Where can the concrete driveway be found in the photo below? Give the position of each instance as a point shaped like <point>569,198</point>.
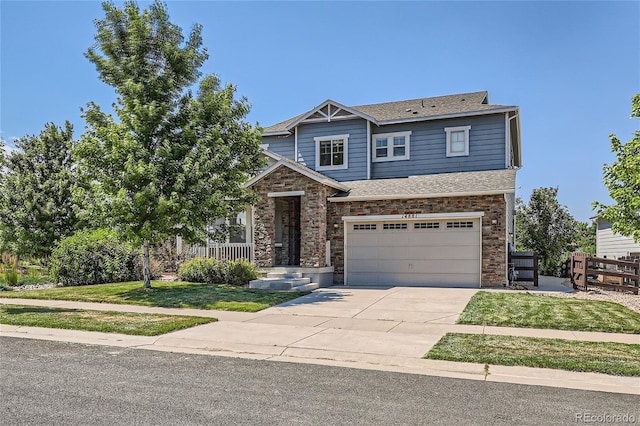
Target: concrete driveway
<point>338,323</point>
<point>395,304</point>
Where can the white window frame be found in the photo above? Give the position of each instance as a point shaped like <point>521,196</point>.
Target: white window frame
<point>449,131</point>
<point>345,157</point>
<point>390,156</point>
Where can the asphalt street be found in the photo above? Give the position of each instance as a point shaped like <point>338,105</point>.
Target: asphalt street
<point>56,383</point>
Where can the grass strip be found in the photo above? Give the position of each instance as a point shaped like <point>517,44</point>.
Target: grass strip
<point>619,359</point>
<point>164,294</point>
<point>526,310</point>
<point>103,321</point>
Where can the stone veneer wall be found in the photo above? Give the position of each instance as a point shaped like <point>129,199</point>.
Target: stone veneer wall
<point>494,252</point>
<point>313,214</point>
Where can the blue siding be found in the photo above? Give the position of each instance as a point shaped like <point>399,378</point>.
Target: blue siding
<point>357,146</point>
<point>280,145</point>
<point>428,147</point>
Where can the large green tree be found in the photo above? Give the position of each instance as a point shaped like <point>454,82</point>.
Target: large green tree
<point>585,238</point>
<point>36,197</point>
<point>171,161</point>
<point>622,179</point>
<point>546,227</point>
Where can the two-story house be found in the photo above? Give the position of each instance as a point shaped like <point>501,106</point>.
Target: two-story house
<point>417,192</point>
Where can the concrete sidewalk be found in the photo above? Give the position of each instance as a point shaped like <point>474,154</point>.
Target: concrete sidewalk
<point>383,329</point>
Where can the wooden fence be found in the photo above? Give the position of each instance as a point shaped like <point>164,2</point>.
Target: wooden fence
<point>525,265</point>
<point>619,275</point>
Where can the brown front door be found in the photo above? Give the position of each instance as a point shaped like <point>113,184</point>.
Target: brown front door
<point>287,248</point>
<point>294,232</point>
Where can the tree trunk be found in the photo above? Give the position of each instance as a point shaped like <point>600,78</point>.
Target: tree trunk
<point>146,262</point>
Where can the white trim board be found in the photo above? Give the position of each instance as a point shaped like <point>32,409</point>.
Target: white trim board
<point>417,196</point>
<point>285,194</point>
<point>412,216</point>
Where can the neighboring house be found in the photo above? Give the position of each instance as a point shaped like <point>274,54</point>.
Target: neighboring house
<point>416,192</point>
<point>612,245</point>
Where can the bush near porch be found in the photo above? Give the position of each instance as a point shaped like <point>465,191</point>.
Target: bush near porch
<point>236,273</point>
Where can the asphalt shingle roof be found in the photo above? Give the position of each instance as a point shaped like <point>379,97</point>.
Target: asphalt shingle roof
<point>435,185</point>
<point>414,109</point>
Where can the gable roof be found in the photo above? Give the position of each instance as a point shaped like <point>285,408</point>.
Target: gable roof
<point>302,169</point>
<point>421,109</point>
<point>328,104</point>
<point>431,186</point>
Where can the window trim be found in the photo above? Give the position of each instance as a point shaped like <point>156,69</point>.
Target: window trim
<point>449,131</point>
<point>345,155</point>
<point>390,136</point>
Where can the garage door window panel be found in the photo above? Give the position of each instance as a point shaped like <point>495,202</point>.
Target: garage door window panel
<point>394,226</point>
<point>426,225</point>
<point>458,225</point>
<point>364,227</point>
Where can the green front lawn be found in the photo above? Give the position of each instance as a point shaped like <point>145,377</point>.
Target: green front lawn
<point>601,357</point>
<point>536,311</point>
<point>103,321</point>
<point>164,294</point>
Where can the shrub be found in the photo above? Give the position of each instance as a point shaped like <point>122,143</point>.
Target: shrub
<point>210,271</point>
<point>94,257</point>
<point>240,272</point>
<point>201,270</point>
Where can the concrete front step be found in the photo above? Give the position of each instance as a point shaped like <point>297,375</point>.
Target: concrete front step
<point>287,284</point>
<point>284,274</point>
<point>306,287</point>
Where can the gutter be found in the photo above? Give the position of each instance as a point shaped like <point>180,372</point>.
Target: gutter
<point>414,196</point>
<point>444,116</point>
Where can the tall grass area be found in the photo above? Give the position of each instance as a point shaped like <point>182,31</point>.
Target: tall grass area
<point>12,274</point>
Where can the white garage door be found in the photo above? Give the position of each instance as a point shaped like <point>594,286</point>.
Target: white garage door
<point>441,252</point>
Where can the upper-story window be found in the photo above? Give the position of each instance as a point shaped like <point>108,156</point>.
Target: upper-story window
<point>457,141</point>
<point>331,152</point>
<point>391,146</point>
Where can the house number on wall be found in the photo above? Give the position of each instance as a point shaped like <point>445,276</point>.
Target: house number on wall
<point>409,216</point>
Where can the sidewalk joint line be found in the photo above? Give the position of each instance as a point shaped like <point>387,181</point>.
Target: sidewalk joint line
<point>389,330</point>
<point>376,302</point>
<point>306,337</point>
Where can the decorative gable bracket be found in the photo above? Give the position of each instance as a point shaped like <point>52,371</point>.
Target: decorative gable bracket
<point>327,111</point>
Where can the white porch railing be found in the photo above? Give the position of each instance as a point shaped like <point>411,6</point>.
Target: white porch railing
<point>223,251</point>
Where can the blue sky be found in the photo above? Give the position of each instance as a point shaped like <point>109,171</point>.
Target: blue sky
<point>571,67</point>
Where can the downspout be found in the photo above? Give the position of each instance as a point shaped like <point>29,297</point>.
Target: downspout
<point>506,264</point>
<point>295,144</point>
<point>368,150</point>
<point>481,250</point>
<point>509,131</point>
<point>507,140</point>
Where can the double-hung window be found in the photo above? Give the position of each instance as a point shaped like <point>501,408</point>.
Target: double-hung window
<point>457,141</point>
<point>331,152</point>
<point>391,146</point>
